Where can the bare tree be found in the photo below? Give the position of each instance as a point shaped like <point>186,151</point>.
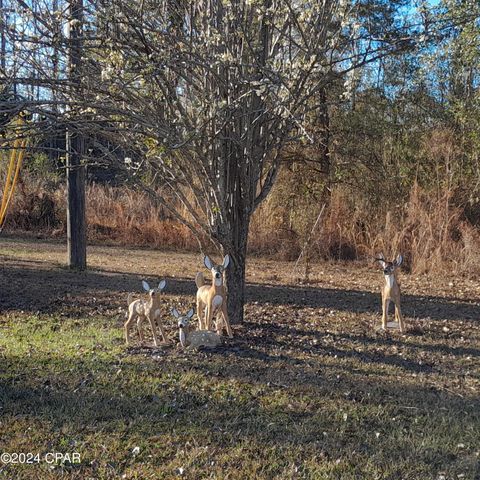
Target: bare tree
<point>205,94</point>
<point>214,90</point>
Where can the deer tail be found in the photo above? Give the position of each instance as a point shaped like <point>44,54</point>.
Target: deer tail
<point>129,298</point>
<point>199,280</point>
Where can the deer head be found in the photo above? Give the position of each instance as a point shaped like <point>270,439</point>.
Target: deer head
<point>183,323</point>
<point>389,267</point>
<point>154,291</point>
<point>217,270</point>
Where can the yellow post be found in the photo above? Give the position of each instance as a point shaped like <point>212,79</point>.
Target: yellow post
<point>13,172</point>
<point>8,178</point>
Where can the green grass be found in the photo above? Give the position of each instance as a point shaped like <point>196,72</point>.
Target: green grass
<point>70,386</point>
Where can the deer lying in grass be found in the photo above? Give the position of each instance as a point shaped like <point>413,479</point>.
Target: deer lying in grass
<point>391,290</point>
<point>196,338</point>
<point>141,310</point>
<point>212,299</point>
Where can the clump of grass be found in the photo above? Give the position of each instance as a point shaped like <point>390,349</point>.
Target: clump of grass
<point>429,230</point>
<point>132,218</point>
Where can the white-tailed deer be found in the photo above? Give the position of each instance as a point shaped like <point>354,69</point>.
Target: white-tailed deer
<point>141,310</point>
<point>212,298</point>
<point>196,338</point>
<point>391,290</point>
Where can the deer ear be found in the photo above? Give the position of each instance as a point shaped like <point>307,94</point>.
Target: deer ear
<point>190,313</point>
<point>175,313</point>
<point>226,261</point>
<point>381,260</point>
<point>208,262</point>
<point>145,286</point>
<point>399,260</point>
<point>162,285</point>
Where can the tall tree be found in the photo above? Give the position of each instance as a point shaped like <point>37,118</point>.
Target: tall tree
<point>214,90</point>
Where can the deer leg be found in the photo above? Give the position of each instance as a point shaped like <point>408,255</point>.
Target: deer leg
<point>131,318</point>
<point>151,319</point>
<point>398,316</point>
<point>226,321</point>
<point>139,328</point>
<point>200,314</point>
<point>208,316</point>
<point>162,331</point>
<point>385,303</point>
<point>219,325</point>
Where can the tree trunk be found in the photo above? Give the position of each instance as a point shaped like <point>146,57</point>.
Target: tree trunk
<point>323,121</point>
<point>235,280</point>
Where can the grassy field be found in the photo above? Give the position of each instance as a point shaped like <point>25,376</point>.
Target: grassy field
<point>307,388</point>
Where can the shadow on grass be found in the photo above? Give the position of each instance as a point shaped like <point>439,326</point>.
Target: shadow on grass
<point>431,347</point>
<point>50,290</point>
<point>107,398</point>
<point>270,333</point>
<point>268,409</point>
<point>290,338</point>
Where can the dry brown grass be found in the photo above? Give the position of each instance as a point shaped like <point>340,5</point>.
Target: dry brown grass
<point>429,229</point>
<point>132,218</point>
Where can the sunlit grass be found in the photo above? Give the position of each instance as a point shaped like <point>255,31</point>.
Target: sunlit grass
<point>70,386</point>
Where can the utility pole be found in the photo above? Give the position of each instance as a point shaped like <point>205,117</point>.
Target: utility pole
<point>76,224</point>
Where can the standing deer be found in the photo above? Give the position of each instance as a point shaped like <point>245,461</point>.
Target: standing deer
<point>142,310</point>
<point>391,290</point>
<point>212,298</point>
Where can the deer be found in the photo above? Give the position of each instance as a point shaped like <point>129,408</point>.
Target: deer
<point>391,290</point>
<point>197,338</point>
<point>212,299</point>
<point>141,310</point>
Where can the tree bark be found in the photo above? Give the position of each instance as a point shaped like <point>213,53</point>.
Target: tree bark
<point>76,224</point>
<point>323,145</point>
<point>235,278</point>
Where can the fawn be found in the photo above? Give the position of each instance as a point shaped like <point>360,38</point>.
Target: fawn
<point>212,298</point>
<point>197,338</point>
<point>141,310</point>
<point>391,290</point>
